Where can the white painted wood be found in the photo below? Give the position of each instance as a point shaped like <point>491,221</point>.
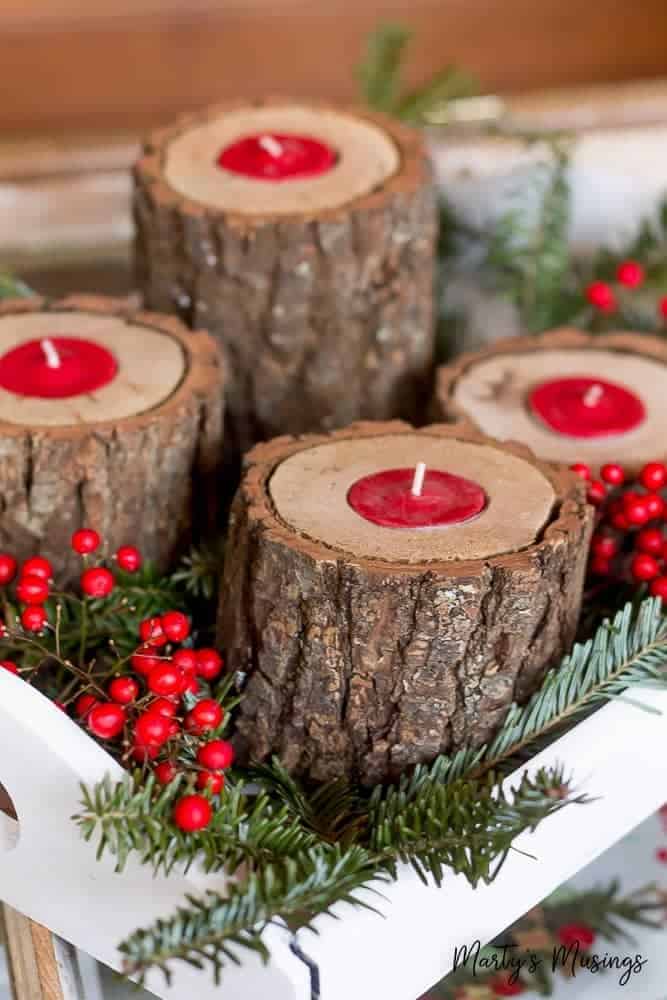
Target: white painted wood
<point>618,756</point>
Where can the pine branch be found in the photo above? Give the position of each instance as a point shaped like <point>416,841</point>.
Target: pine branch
<point>214,929</point>
<point>134,817</point>
<point>379,72</point>
<point>602,907</point>
<point>13,288</point>
<point>468,826</point>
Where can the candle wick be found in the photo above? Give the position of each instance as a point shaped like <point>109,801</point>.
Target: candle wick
<point>593,395</point>
<point>418,481</point>
<point>271,145</point>
<point>50,353</point>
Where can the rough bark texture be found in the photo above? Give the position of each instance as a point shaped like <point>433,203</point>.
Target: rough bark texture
<point>149,480</point>
<point>446,407</point>
<point>364,668</point>
<point>325,319</point>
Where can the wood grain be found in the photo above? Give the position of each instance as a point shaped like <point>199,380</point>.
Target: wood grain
<point>66,63</point>
<point>33,968</point>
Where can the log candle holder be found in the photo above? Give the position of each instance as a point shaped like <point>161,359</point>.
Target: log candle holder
<point>369,648</point>
<point>570,396</point>
<point>106,417</point>
<point>303,237</point>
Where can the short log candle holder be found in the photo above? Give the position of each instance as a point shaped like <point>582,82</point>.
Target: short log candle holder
<point>303,237</point>
<point>390,591</point>
<point>570,396</point>
<point>109,419</point>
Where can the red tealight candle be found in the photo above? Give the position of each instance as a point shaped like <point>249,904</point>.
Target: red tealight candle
<point>56,368</point>
<point>416,498</point>
<point>277,156</point>
<point>586,407</point>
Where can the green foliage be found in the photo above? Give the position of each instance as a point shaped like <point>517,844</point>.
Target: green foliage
<point>13,288</point>
<point>380,78</point>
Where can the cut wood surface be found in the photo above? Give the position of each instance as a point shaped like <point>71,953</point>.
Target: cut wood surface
<point>364,666</point>
<point>33,967</point>
<point>326,315</point>
<point>148,479</point>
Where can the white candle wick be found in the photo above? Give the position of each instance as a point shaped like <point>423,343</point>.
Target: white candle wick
<point>593,395</point>
<point>50,353</point>
<point>271,145</point>
<point>418,481</point>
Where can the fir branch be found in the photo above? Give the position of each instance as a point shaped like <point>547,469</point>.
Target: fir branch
<point>379,72</point>
<point>468,826</point>
<point>602,907</point>
<point>134,817</point>
<point>13,288</point>
<point>200,571</point>
<point>216,929</point>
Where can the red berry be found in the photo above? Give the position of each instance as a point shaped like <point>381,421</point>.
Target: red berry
<point>600,566</point>
<point>9,665</point>
<point>620,521</point>
<point>85,541</point>
<point>84,703</point>
<point>630,273</point>
<point>174,727</point>
<point>151,729</point>
<point>209,781</point>
<point>165,679</point>
<point>659,587</point>
<point>653,476</point>
<point>152,633</point>
<point>209,663</point>
<point>175,626</point>
<point>144,660</point>
<point>165,772</point>
<point>106,720</point>
<point>601,296</point>
<point>613,474</point>
<point>581,934</point>
<point>662,307</point>
<point>34,618</point>
<point>124,690</point>
<point>655,505</point>
<point>605,546</point>
<point>143,753</point>
<point>650,540</point>
<point>163,706</point>
<point>97,582</point>
<point>8,567</point>
<point>32,589</point>
<point>128,558</point>
<point>192,812</point>
<point>206,715</point>
<point>597,492</point>
<point>190,685</point>
<point>636,509</point>
<point>664,550</point>
<point>216,755</point>
<point>581,470</point>
<point>505,985</point>
<point>186,659</point>
<point>37,566</point>
<point>644,567</point>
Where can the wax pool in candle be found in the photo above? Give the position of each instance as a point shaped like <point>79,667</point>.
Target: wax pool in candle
<point>389,498</point>
<point>278,156</point>
<point>586,407</point>
<point>56,368</point>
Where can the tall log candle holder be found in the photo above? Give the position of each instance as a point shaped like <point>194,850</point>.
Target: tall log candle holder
<point>569,396</point>
<point>303,237</point>
<point>378,628</point>
<point>109,419</point>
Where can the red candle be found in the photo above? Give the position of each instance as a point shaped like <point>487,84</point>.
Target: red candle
<point>409,498</point>
<point>278,156</point>
<point>586,407</point>
<point>56,368</point>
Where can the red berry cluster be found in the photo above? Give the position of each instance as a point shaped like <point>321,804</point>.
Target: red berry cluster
<point>629,274</point>
<point>35,577</point>
<point>148,705</point>
<point>629,541</point>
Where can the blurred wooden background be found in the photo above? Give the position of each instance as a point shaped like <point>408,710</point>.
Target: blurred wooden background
<point>100,64</point>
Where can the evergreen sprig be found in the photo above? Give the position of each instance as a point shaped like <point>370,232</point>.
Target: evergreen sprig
<point>216,929</point>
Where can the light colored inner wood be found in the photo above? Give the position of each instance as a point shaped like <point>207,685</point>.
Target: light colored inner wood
<point>32,962</point>
<point>494,393</point>
<point>309,491</point>
<point>367,158</point>
<point>151,364</point>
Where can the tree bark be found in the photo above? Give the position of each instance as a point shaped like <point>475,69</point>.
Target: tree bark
<point>149,480</point>
<point>325,317</point>
<point>364,667</point>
